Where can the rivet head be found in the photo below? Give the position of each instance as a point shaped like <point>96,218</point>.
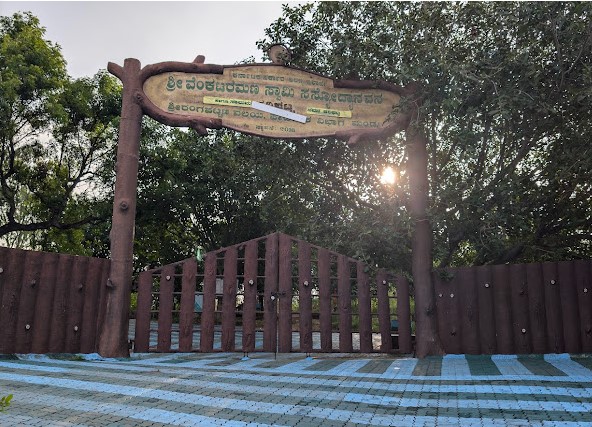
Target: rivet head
<point>33,283</point>
<point>76,328</point>
<point>451,295</point>
<point>1,270</point>
<point>80,286</point>
<point>487,285</point>
<point>168,277</point>
<point>440,295</point>
<point>523,330</point>
<point>552,282</point>
<point>273,297</point>
<point>384,282</point>
<point>585,290</point>
<point>251,282</point>
<point>27,326</point>
<point>306,283</point>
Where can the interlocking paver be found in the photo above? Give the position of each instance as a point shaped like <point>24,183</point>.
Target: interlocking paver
<point>223,389</point>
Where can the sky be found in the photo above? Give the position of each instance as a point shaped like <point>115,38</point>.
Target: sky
<point>91,34</point>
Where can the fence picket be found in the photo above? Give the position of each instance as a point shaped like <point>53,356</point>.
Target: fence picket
<point>165,308</point>
<point>250,302</point>
<point>325,300</point>
<point>229,299</point>
<point>186,308</point>
<point>569,306</point>
<point>555,340</point>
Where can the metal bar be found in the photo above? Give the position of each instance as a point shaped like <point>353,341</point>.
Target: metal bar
<point>365,313</point>
<point>187,305</point>
<point>206,340</point>
<point>250,302</point>
<point>229,300</point>
<point>344,298</point>
<point>271,288</point>
<point>165,309</point>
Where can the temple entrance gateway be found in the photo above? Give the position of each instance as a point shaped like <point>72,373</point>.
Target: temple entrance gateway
<point>268,100</point>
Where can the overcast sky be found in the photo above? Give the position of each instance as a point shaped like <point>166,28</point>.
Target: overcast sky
<point>93,33</point>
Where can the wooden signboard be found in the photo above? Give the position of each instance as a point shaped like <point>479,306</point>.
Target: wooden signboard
<point>270,100</point>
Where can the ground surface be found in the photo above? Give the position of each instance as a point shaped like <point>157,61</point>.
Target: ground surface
<point>334,390</point>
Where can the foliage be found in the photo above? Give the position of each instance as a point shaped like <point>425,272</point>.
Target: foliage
<point>5,402</point>
<point>55,134</point>
<point>507,88</point>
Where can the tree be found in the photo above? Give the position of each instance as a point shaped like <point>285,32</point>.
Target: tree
<point>54,134</point>
<point>506,89</point>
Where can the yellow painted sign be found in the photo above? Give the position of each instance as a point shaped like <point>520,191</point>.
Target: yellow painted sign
<point>274,101</point>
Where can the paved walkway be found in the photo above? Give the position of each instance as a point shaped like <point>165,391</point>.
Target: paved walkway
<point>328,390</point>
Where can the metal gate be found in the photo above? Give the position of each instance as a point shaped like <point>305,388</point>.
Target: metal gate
<point>274,293</point>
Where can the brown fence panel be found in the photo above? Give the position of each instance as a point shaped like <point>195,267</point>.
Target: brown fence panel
<point>569,306</point>
<point>583,283</point>
<point>206,340</point>
<point>285,292</point>
<point>165,308</point>
<point>90,313</point>
<point>187,304</point>
<point>26,311</point>
<point>12,273</point>
<point>384,316</point>
<point>270,290</point>
<point>468,299</point>
<point>486,312</point>
<point>536,308</point>
<point>503,309</point>
<point>556,343</point>
<point>229,300</point>
<point>44,305</point>
<point>250,303</point>
<point>304,297</point>
<point>404,314</point>
<point>142,333</point>
<point>59,314</point>
<point>365,309</point>
<point>344,298</point>
<point>325,299</point>
<point>519,297</point>
<point>76,302</point>
<point>448,311</point>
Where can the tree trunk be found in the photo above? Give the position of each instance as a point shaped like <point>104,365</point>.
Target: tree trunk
<point>426,321</point>
<point>114,333</point>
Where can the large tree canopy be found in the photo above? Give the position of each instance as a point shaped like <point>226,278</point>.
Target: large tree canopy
<point>54,135</point>
<point>507,91</point>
